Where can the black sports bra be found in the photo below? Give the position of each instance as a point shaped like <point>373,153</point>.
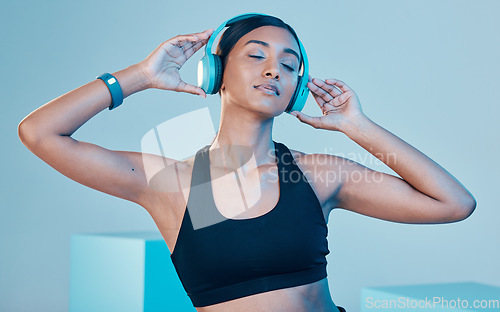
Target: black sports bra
<point>219,259</point>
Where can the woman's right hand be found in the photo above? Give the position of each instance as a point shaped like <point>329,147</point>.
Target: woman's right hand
<point>161,67</point>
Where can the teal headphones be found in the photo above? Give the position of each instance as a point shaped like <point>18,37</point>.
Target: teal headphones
<point>210,68</point>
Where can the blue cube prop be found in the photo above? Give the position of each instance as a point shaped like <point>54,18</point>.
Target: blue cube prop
<point>124,272</point>
<point>456,297</point>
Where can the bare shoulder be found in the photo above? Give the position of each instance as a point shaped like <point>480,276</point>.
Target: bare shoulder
<point>168,180</point>
<point>323,173</point>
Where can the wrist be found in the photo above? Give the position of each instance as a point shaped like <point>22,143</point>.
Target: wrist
<point>131,80</point>
<point>354,125</point>
<point>143,75</point>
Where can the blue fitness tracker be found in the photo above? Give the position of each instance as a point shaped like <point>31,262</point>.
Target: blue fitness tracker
<point>210,69</point>
<point>114,88</point>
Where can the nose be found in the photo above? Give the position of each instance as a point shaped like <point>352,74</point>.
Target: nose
<point>271,69</point>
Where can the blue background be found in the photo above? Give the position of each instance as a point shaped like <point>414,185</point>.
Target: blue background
<point>425,70</point>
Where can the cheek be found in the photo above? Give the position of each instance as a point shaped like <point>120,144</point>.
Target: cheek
<point>291,85</point>
<point>233,76</point>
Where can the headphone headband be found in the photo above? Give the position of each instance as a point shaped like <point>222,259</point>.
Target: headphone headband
<point>228,23</point>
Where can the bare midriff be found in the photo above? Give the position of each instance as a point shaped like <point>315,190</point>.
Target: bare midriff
<point>314,297</point>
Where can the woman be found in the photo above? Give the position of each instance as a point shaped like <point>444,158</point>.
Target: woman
<point>270,255</point>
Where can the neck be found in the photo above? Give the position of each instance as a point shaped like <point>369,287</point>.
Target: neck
<point>244,140</point>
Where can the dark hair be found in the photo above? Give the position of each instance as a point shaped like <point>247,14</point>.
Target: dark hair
<point>238,29</point>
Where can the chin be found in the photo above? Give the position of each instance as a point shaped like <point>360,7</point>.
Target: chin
<point>266,107</point>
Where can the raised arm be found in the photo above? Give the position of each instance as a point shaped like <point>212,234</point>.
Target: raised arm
<point>47,131</point>
<point>424,193</point>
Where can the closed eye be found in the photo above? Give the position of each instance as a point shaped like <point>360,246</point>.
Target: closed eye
<point>290,68</point>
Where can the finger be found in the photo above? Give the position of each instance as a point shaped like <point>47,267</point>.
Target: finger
<point>189,88</point>
<point>340,84</point>
<point>204,35</point>
<point>193,48</point>
<point>177,40</point>
<point>188,44</point>
<point>187,49</point>
<point>181,40</point>
<point>331,89</point>
<point>312,121</point>
<point>316,96</point>
<point>343,98</point>
<point>318,90</point>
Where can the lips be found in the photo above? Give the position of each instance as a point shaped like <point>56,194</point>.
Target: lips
<point>266,87</point>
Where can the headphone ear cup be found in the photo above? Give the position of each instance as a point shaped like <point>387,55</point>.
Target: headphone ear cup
<point>299,96</point>
<point>204,73</point>
<point>294,97</point>
<point>217,73</point>
<point>209,73</point>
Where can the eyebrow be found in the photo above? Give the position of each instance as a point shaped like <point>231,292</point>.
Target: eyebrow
<point>286,50</point>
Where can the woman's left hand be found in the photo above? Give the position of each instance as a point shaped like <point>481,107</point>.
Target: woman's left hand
<point>338,102</point>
